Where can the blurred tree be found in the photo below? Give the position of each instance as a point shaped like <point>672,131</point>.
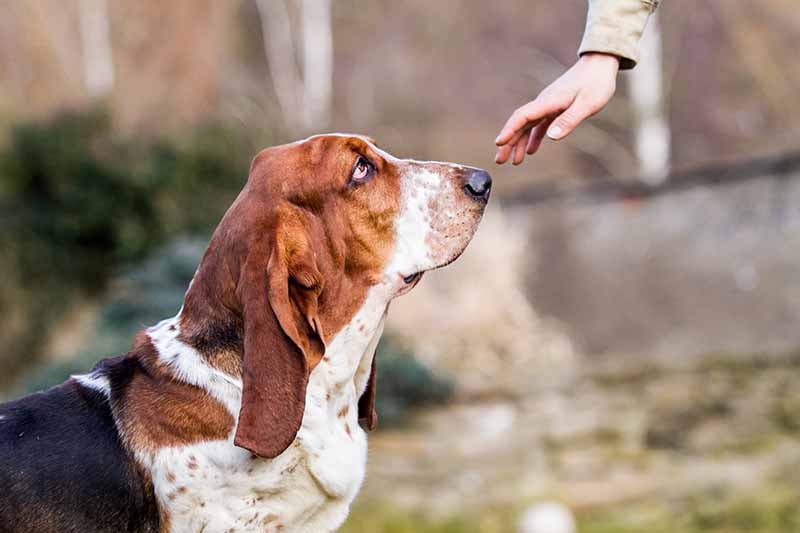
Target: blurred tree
<point>304,94</point>
<point>98,64</point>
<point>651,130</point>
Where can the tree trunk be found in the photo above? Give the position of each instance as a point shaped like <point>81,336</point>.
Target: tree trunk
<point>98,64</point>
<point>317,62</point>
<point>646,86</point>
<point>304,96</point>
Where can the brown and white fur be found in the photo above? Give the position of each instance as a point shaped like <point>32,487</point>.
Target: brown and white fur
<point>241,413</point>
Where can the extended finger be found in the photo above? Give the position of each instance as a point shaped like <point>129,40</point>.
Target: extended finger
<point>519,150</point>
<point>503,153</point>
<point>523,132</point>
<point>566,122</point>
<point>536,136</point>
<point>523,116</point>
<point>506,150</point>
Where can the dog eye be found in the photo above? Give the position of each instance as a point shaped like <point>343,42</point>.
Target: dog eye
<point>362,171</point>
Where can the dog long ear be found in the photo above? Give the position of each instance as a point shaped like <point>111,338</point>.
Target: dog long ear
<point>283,341</point>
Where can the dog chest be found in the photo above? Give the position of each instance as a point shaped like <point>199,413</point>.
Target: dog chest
<point>215,486</point>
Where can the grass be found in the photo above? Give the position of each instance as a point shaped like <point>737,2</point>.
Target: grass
<point>774,508</point>
<point>771,509</point>
<point>381,518</point>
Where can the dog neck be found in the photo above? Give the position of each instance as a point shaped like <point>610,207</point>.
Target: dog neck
<point>207,352</point>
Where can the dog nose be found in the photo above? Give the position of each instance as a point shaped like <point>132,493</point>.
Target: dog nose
<point>478,184</point>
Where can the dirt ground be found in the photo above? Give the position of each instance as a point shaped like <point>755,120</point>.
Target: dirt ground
<point>648,441</point>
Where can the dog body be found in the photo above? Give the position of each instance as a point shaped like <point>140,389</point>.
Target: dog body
<point>242,412</point>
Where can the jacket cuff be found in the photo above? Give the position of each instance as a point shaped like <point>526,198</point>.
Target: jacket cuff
<point>615,27</point>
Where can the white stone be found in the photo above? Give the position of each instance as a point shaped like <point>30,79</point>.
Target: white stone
<point>547,517</point>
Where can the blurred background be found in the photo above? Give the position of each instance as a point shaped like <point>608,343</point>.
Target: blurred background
<point>617,351</point>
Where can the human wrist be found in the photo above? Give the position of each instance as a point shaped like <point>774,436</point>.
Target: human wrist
<point>607,60</point>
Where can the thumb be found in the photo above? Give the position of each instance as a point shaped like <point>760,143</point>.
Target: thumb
<point>567,121</point>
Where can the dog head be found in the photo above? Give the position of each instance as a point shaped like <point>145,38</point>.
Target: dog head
<point>319,223</point>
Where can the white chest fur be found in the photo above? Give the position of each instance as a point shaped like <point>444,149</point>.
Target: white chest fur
<point>216,487</point>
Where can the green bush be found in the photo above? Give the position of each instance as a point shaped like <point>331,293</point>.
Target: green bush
<point>81,203</point>
<point>73,209</point>
<point>404,384</point>
<point>76,197</point>
<point>142,296</point>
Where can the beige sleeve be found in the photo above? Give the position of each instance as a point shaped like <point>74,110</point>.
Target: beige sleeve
<point>615,26</point>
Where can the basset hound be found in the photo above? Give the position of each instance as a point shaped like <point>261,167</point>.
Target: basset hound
<point>242,412</point>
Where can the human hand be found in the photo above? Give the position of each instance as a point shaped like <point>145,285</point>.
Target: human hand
<point>579,93</point>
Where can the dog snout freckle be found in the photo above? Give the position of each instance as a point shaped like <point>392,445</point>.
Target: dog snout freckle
<point>478,184</point>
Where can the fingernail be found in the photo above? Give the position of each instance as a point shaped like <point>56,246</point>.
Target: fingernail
<point>497,139</point>
<point>555,132</point>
